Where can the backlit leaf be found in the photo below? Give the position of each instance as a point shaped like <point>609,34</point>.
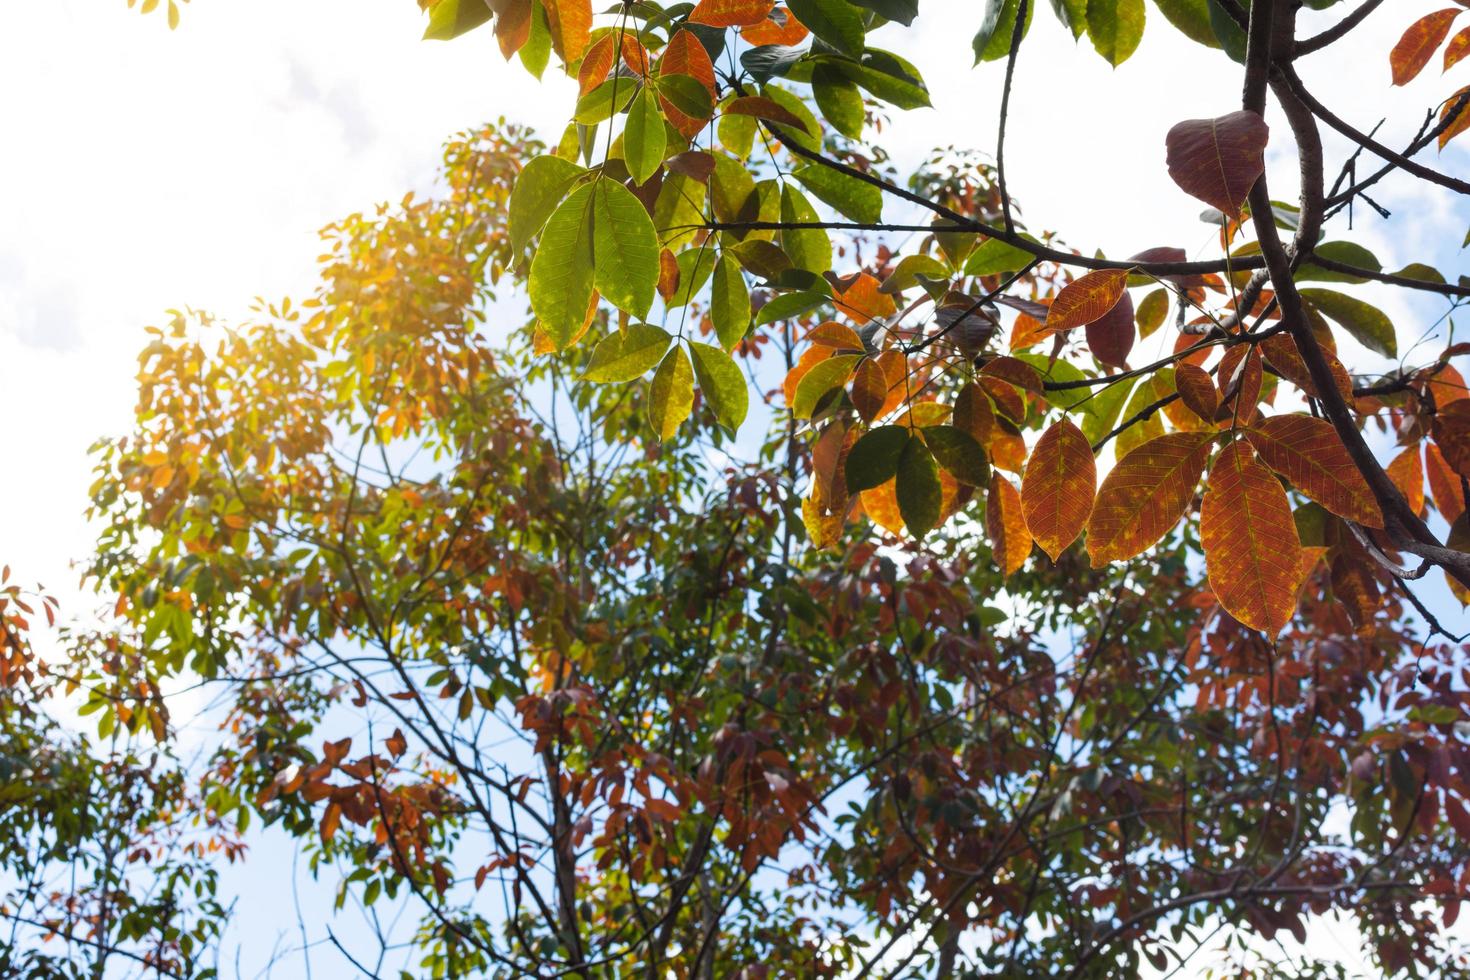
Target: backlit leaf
<point>729,303</point>
<point>1086,299</point>
<point>839,100</point>
<point>1367,324</point>
<point>1407,473</point>
<point>730,13</point>
<point>1418,44</point>
<point>571,26</point>
<point>1218,160</point>
<point>685,56</point>
<point>1116,27</point>
<point>1452,434</point>
<point>541,185</point>
<point>780,28</point>
<point>722,383</point>
<point>451,18</point>
<point>1005,522</point>
<point>561,280</point>
<point>1144,496</point>
<point>1309,453</point>
<point>1151,312</point>
<point>958,452</point>
<point>873,459</point>
<point>625,355</point>
<point>1252,553</point>
<point>854,198</point>
<point>920,495</point>
<point>1057,489</point>
<point>835,21</point>
<point>1110,336</point>
<point>627,249</point>
<point>1197,390</point>
<point>671,394</point>
<point>1444,484</point>
<point>822,378</point>
<point>997,25</point>
<point>643,137</point>
<point>809,248</point>
<point>869,389</point>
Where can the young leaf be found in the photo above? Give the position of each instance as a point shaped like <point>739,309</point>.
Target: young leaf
<point>1086,299</point>
<point>1367,324</point>
<point>1058,487</point>
<point>1219,160</point>
<point>873,459</point>
<point>1116,27</point>
<point>835,21</point>
<point>643,137</point>
<point>920,495</point>
<point>1418,44</point>
<point>626,248</point>
<point>822,378</point>
<point>1252,552</point>
<point>722,383</point>
<point>626,355</point>
<point>671,394</point>
<point>958,452</point>
<point>729,303</point>
<point>562,271</point>
<point>540,187</point>
<point>1144,496</point>
<point>1308,452</point>
<point>1005,522</point>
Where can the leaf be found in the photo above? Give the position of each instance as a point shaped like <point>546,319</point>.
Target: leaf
<point>596,64</point>
<point>671,394</point>
<point>686,57</point>
<point>1218,160</point>
<point>1192,18</point>
<point>888,77</point>
<point>730,13</point>
<point>1144,496</point>
<point>1151,312</point>
<point>561,279</point>
<point>770,61</point>
<point>541,185</point>
<point>1196,390</point>
<point>1459,540</point>
<point>1110,337</point>
<point>873,459</point>
<point>1116,27</point>
<point>729,303</point>
<point>1309,453</point>
<point>1349,253</point>
<point>835,21</point>
<point>994,257</point>
<point>685,95</point>
<point>1072,14</point>
<point>627,248</point>
<point>779,29</point>
<point>1458,47</point>
<point>449,19</point>
<point>839,100</point>
<point>1367,324</point>
<point>809,248</point>
<point>836,335</point>
<point>1444,484</point>
<point>626,355</point>
<point>1058,487</point>
<point>571,26</point>
<point>869,390</point>
<point>1086,299</point>
<point>853,198</point>
<point>1461,122</point>
<point>770,110</point>
<point>997,25</point>
<point>1452,433</point>
<point>822,378</point>
<point>643,137</point>
<point>1252,552</point>
<point>1407,473</point>
<point>920,494</point>
<point>1418,44</point>
<point>722,383</point>
<point>903,11</point>
<point>958,452</point>
<point>1005,522</point>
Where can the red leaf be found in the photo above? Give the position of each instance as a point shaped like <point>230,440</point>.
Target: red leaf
<point>1308,452</point>
<point>1086,299</point>
<point>730,13</point>
<point>1219,160</point>
<point>1110,337</point>
<point>1016,372</point>
<point>1444,484</point>
<point>764,108</point>
<point>1145,495</point>
<point>1452,433</point>
<point>596,64</point>
<point>1010,541</point>
<point>1418,44</point>
<point>1057,490</point>
<point>1252,552</point>
<point>1196,390</point>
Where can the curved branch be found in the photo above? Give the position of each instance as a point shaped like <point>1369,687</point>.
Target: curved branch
<point>1337,31</point>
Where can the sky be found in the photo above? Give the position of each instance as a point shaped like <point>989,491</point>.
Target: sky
<point>147,169</point>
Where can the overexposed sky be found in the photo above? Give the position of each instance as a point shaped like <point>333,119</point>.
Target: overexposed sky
<point>145,169</point>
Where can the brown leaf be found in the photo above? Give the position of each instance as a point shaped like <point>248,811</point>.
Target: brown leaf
<point>1444,484</point>
<point>1462,121</point>
<point>1086,299</point>
<point>668,274</point>
<point>1197,390</point>
<point>1252,552</point>
<point>869,389</point>
<point>1144,496</point>
<point>1110,337</point>
<point>1452,433</point>
<point>1309,453</point>
<point>1407,473</point>
<point>1058,488</point>
<point>1005,520</point>
<point>1458,47</point>
<point>1219,160</point>
<point>763,108</point>
<point>1418,44</point>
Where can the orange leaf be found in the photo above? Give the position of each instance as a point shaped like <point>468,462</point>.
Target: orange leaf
<point>836,335</point>
<point>1252,552</point>
<point>1418,44</point>
<point>1458,47</point>
<point>571,27</point>
<point>662,809</point>
<point>862,301</point>
<point>1446,385</point>
<point>1240,375</point>
<point>1444,484</point>
<point>1452,433</point>
<point>1354,586</point>
<point>973,413</point>
<point>1308,452</point>
<point>331,820</point>
<point>513,27</point>
<point>686,56</point>
<point>596,64</point>
<point>668,274</point>
<point>1145,495</point>
<point>780,28</point>
<point>1015,371</point>
<point>1005,520</point>
<point>1086,299</point>
<point>1407,473</point>
<point>730,13</point>
<point>635,55</point>
<point>1196,390</point>
<point>1057,490</point>
<point>805,363</point>
<point>1281,353</point>
<point>1026,331</point>
<point>1218,160</point>
<point>1462,121</point>
<point>869,389</point>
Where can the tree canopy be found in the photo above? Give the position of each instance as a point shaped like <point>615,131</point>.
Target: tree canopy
<point>640,557</point>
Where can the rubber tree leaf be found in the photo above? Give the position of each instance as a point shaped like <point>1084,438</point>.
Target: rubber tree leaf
<point>917,486</point>
<point>835,21</point>
<point>958,452</point>
<point>997,24</point>
<point>729,303</point>
<point>541,185</point>
<point>809,248</point>
<point>1218,160</point>
<point>722,383</point>
<point>822,378</point>
<point>626,355</point>
<point>451,18</point>
<point>1309,453</point>
<point>643,137</point>
<point>1144,496</point>
<point>1192,18</point>
<point>856,199</point>
<point>873,459</point>
<point>903,11</point>
<point>1116,27</point>
<point>671,394</point>
<point>1058,487</point>
<point>1252,552</point>
<point>1005,522</point>
<point>1086,299</point>
<point>1367,324</point>
<point>626,249</point>
<point>838,98</point>
<point>563,270</point>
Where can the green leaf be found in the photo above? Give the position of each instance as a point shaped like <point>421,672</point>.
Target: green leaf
<point>994,257</point>
<point>856,199</point>
<point>958,452</point>
<point>729,303</point>
<point>626,249</point>
<point>903,11</point>
<point>835,21</point>
<point>809,135</point>
<point>536,52</point>
<point>1072,14</point>
<point>1103,410</point>
<point>736,132</point>
<point>789,305</point>
<point>1116,27</point>
<point>920,494</point>
<point>1227,32</point>
<point>1367,324</point>
<point>608,99</point>
<point>911,270</point>
<point>1192,18</point>
<point>643,137</point>
<point>993,40</point>
<point>685,93</point>
<point>563,269</point>
<point>1350,253</point>
<point>770,61</point>
<point>809,248</point>
<point>838,98</point>
<point>822,378</point>
<point>873,459</point>
<point>1422,272</point>
<point>731,185</point>
<point>722,382</point>
<point>539,188</point>
<point>760,258</point>
<point>671,394</point>
<point>451,18</point>
<point>626,355</point>
<point>695,266</point>
<point>888,77</point>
